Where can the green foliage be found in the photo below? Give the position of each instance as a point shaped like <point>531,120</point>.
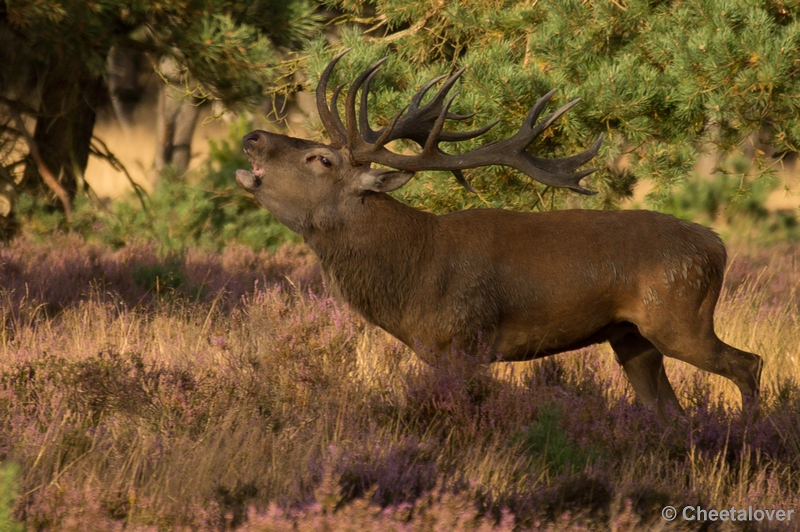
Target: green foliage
<point>159,278</point>
<point>39,217</point>
<point>231,48</point>
<point>727,197</point>
<point>54,69</point>
<point>205,209</point>
<point>658,93</point>
<point>8,494</point>
<point>547,442</point>
<point>733,202</point>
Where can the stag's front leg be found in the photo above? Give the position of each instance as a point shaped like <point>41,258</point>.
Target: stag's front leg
<point>644,367</point>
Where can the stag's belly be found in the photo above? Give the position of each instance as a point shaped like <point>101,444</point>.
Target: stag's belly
<point>510,333</point>
<point>525,334</point>
<point>515,344</point>
<point>518,318</point>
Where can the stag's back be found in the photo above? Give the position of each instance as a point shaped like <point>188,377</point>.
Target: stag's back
<point>558,279</point>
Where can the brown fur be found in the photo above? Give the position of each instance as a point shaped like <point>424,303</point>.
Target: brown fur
<point>527,285</point>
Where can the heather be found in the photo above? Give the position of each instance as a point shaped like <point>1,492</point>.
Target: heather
<point>204,390</point>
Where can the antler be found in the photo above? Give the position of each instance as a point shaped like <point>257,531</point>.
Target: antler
<point>424,125</point>
<point>331,121</point>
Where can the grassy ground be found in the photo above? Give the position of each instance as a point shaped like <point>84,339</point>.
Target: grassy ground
<point>222,391</point>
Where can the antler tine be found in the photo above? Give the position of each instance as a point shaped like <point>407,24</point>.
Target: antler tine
<point>335,130</point>
<point>568,164</point>
<point>410,128</point>
<point>432,141</point>
<point>536,110</point>
<point>458,136</point>
<point>554,172</point>
<point>453,136</point>
<point>436,134</point>
<point>419,122</point>
<point>438,98</point>
<point>386,133</point>
<point>431,109</point>
<point>570,180</point>
<point>528,132</point>
<point>416,125</point>
<point>335,107</point>
<point>350,106</point>
<point>463,181</point>
<point>363,115</point>
<point>417,99</point>
<point>544,124</point>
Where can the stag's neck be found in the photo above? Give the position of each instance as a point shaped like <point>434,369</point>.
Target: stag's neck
<point>375,256</point>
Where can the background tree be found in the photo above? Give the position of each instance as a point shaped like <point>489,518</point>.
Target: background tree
<point>53,69</point>
<point>664,81</point>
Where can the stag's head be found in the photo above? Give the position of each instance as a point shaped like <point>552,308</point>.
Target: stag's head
<point>302,182</point>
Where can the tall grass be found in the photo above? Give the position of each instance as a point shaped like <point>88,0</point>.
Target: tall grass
<point>228,391</point>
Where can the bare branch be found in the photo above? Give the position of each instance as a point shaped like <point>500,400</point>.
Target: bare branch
<point>104,153</point>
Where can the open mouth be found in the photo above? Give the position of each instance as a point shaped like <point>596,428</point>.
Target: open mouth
<point>250,180</point>
<point>257,170</point>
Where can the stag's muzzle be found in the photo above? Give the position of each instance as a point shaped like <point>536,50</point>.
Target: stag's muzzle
<point>247,180</point>
<point>250,180</point>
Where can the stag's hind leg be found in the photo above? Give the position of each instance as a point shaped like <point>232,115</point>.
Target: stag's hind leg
<point>695,342</point>
<point>715,356</point>
<point>644,367</point>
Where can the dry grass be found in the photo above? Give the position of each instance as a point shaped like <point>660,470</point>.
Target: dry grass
<point>261,406</point>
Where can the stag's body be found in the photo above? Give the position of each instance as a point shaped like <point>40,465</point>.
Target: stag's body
<point>526,285</point>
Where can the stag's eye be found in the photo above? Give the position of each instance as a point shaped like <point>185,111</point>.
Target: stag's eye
<point>324,160</point>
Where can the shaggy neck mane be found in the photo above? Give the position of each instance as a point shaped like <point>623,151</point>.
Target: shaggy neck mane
<point>376,257</point>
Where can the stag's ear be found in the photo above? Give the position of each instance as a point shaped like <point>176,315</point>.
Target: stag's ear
<point>380,180</point>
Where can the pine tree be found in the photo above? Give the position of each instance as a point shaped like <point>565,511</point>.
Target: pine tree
<point>665,81</point>
<point>53,58</point>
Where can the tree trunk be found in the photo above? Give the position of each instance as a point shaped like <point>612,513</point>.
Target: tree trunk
<point>177,118</point>
<point>123,83</point>
<point>63,133</point>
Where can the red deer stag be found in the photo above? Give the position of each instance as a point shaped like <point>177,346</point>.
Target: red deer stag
<point>528,285</point>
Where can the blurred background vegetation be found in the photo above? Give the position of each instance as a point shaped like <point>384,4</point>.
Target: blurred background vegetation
<point>702,123</point>
<point>120,133</point>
